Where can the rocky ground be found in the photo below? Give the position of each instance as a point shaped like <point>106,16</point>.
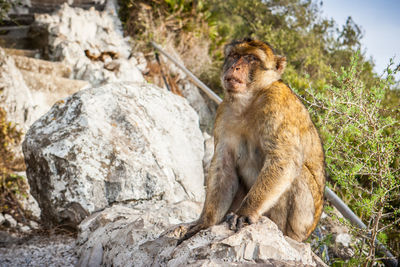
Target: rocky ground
<point>37,250</point>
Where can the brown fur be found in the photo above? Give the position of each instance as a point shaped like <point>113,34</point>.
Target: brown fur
<point>268,156</point>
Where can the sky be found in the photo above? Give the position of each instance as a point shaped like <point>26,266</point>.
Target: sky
<point>380,21</point>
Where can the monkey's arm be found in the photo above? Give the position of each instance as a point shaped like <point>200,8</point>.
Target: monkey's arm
<point>221,186</point>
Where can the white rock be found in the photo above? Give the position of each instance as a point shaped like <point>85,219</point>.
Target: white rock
<point>10,220</point>
<point>25,229</point>
<point>34,225</point>
<point>29,203</point>
<point>129,237</point>
<point>2,219</point>
<point>15,96</point>
<point>344,239</point>
<point>121,142</point>
<point>102,33</point>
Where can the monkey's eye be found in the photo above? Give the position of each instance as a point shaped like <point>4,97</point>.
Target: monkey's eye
<point>250,58</point>
<point>233,56</point>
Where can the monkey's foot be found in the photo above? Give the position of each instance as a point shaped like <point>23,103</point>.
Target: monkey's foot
<point>236,222</point>
<point>191,230</point>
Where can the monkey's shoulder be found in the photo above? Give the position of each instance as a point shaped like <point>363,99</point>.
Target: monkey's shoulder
<point>278,97</point>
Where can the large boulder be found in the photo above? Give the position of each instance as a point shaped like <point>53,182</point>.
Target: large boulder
<point>121,236</point>
<point>119,143</point>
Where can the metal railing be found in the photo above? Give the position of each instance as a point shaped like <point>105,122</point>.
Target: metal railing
<point>330,195</point>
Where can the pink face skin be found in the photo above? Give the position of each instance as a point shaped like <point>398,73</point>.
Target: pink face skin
<point>236,76</point>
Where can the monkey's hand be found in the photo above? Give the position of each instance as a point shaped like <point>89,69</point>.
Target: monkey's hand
<point>236,222</point>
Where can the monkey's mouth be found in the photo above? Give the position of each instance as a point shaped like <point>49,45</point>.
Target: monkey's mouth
<point>233,84</point>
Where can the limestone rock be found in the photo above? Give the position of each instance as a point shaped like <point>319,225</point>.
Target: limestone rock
<point>10,221</point>
<point>122,142</point>
<point>26,92</point>
<point>41,66</point>
<point>91,50</point>
<point>112,236</point>
<point>121,237</point>
<point>46,90</point>
<point>15,96</point>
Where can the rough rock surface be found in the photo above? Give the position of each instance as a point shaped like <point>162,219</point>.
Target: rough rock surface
<point>122,142</point>
<point>120,236</point>
<point>98,52</point>
<point>15,96</point>
<point>112,236</point>
<point>28,88</point>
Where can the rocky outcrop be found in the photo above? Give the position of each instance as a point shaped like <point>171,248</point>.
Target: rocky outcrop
<point>121,236</point>
<point>118,143</point>
<point>31,86</point>
<point>97,53</point>
<point>15,95</point>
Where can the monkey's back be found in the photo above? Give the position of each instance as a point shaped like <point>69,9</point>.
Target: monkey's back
<point>302,204</point>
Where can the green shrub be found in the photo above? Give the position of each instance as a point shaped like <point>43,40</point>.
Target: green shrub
<point>362,148</point>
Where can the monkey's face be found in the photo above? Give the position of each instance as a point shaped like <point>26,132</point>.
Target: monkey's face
<point>250,65</point>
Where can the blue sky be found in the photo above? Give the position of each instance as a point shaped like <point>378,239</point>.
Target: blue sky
<point>380,21</point>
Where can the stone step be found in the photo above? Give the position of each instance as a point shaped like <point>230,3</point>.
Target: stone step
<point>23,52</point>
<point>47,89</point>
<point>48,6</point>
<point>41,66</point>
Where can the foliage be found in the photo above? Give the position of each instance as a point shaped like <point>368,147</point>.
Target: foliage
<point>312,44</point>
<point>9,135</point>
<point>12,186</point>
<point>362,148</point>
<point>6,6</point>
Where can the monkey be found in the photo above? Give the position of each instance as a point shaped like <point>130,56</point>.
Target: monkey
<point>268,157</point>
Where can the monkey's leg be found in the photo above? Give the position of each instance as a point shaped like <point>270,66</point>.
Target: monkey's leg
<point>275,178</point>
<point>221,187</point>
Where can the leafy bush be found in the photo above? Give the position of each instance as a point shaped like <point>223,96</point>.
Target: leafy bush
<point>12,186</point>
<point>362,149</point>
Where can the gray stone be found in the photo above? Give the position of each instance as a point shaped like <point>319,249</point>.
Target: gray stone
<point>344,239</point>
<point>131,237</point>
<point>122,142</point>
<point>2,219</point>
<point>34,225</point>
<point>102,39</point>
<point>15,96</point>
<point>10,221</point>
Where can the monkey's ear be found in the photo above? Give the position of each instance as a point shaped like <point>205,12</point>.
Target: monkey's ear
<point>280,64</point>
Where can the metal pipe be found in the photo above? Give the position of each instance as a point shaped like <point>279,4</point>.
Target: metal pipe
<point>330,195</point>
<point>194,79</point>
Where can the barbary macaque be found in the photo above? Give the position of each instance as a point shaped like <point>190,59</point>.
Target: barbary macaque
<point>268,157</point>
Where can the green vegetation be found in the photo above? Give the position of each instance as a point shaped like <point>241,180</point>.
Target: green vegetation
<point>12,186</point>
<point>362,145</point>
<point>356,110</point>
<point>6,6</point>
